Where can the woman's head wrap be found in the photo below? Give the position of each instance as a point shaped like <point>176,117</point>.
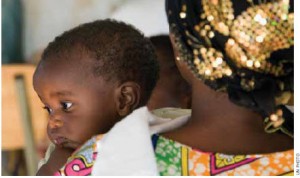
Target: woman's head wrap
<point>243,47</point>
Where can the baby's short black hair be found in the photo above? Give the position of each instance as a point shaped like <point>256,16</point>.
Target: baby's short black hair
<point>119,52</point>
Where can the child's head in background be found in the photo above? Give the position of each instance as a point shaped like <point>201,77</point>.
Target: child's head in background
<point>171,89</point>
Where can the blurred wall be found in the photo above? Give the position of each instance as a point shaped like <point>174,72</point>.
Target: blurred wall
<point>147,15</point>
<point>45,19</point>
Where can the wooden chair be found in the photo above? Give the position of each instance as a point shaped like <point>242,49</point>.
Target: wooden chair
<point>23,119</point>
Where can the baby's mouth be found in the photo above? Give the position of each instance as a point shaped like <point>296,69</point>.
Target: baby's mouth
<point>65,143</point>
<point>59,140</point>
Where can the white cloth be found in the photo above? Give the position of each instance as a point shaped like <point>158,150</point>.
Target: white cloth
<point>127,148</point>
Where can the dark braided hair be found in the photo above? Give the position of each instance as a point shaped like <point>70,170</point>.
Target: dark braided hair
<point>115,51</point>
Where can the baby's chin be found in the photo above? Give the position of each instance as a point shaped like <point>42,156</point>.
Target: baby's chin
<point>66,143</point>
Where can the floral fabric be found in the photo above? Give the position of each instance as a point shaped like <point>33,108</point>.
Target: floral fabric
<point>175,159</point>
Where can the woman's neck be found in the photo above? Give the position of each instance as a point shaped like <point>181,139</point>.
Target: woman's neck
<point>218,125</point>
<point>214,109</point>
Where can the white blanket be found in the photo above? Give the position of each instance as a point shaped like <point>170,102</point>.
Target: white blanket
<point>127,148</point>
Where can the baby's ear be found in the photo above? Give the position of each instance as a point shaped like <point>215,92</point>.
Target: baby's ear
<point>127,98</point>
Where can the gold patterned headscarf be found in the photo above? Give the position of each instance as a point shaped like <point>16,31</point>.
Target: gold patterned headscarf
<point>243,47</point>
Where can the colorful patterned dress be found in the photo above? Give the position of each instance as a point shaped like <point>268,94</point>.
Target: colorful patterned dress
<point>175,159</point>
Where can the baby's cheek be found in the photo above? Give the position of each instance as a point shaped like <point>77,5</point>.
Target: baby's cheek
<point>49,131</point>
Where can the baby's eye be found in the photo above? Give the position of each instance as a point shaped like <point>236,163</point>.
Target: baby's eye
<point>66,105</point>
<point>48,109</point>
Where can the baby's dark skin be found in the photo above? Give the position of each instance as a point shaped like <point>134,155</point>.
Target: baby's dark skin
<point>74,115</point>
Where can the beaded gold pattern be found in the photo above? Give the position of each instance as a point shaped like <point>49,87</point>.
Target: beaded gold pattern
<point>253,36</point>
<point>271,28</point>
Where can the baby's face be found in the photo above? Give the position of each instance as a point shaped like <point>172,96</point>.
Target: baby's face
<point>79,105</point>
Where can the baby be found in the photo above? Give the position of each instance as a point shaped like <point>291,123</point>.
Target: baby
<point>171,89</point>
<point>89,78</point>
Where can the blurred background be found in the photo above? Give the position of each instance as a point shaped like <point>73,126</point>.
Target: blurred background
<point>27,28</point>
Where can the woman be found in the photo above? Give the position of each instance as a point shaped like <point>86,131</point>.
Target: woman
<point>238,58</point>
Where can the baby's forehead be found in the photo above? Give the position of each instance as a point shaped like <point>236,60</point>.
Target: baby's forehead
<point>75,56</point>
<point>76,67</point>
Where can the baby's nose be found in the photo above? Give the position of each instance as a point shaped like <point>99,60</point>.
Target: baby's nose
<point>55,123</point>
